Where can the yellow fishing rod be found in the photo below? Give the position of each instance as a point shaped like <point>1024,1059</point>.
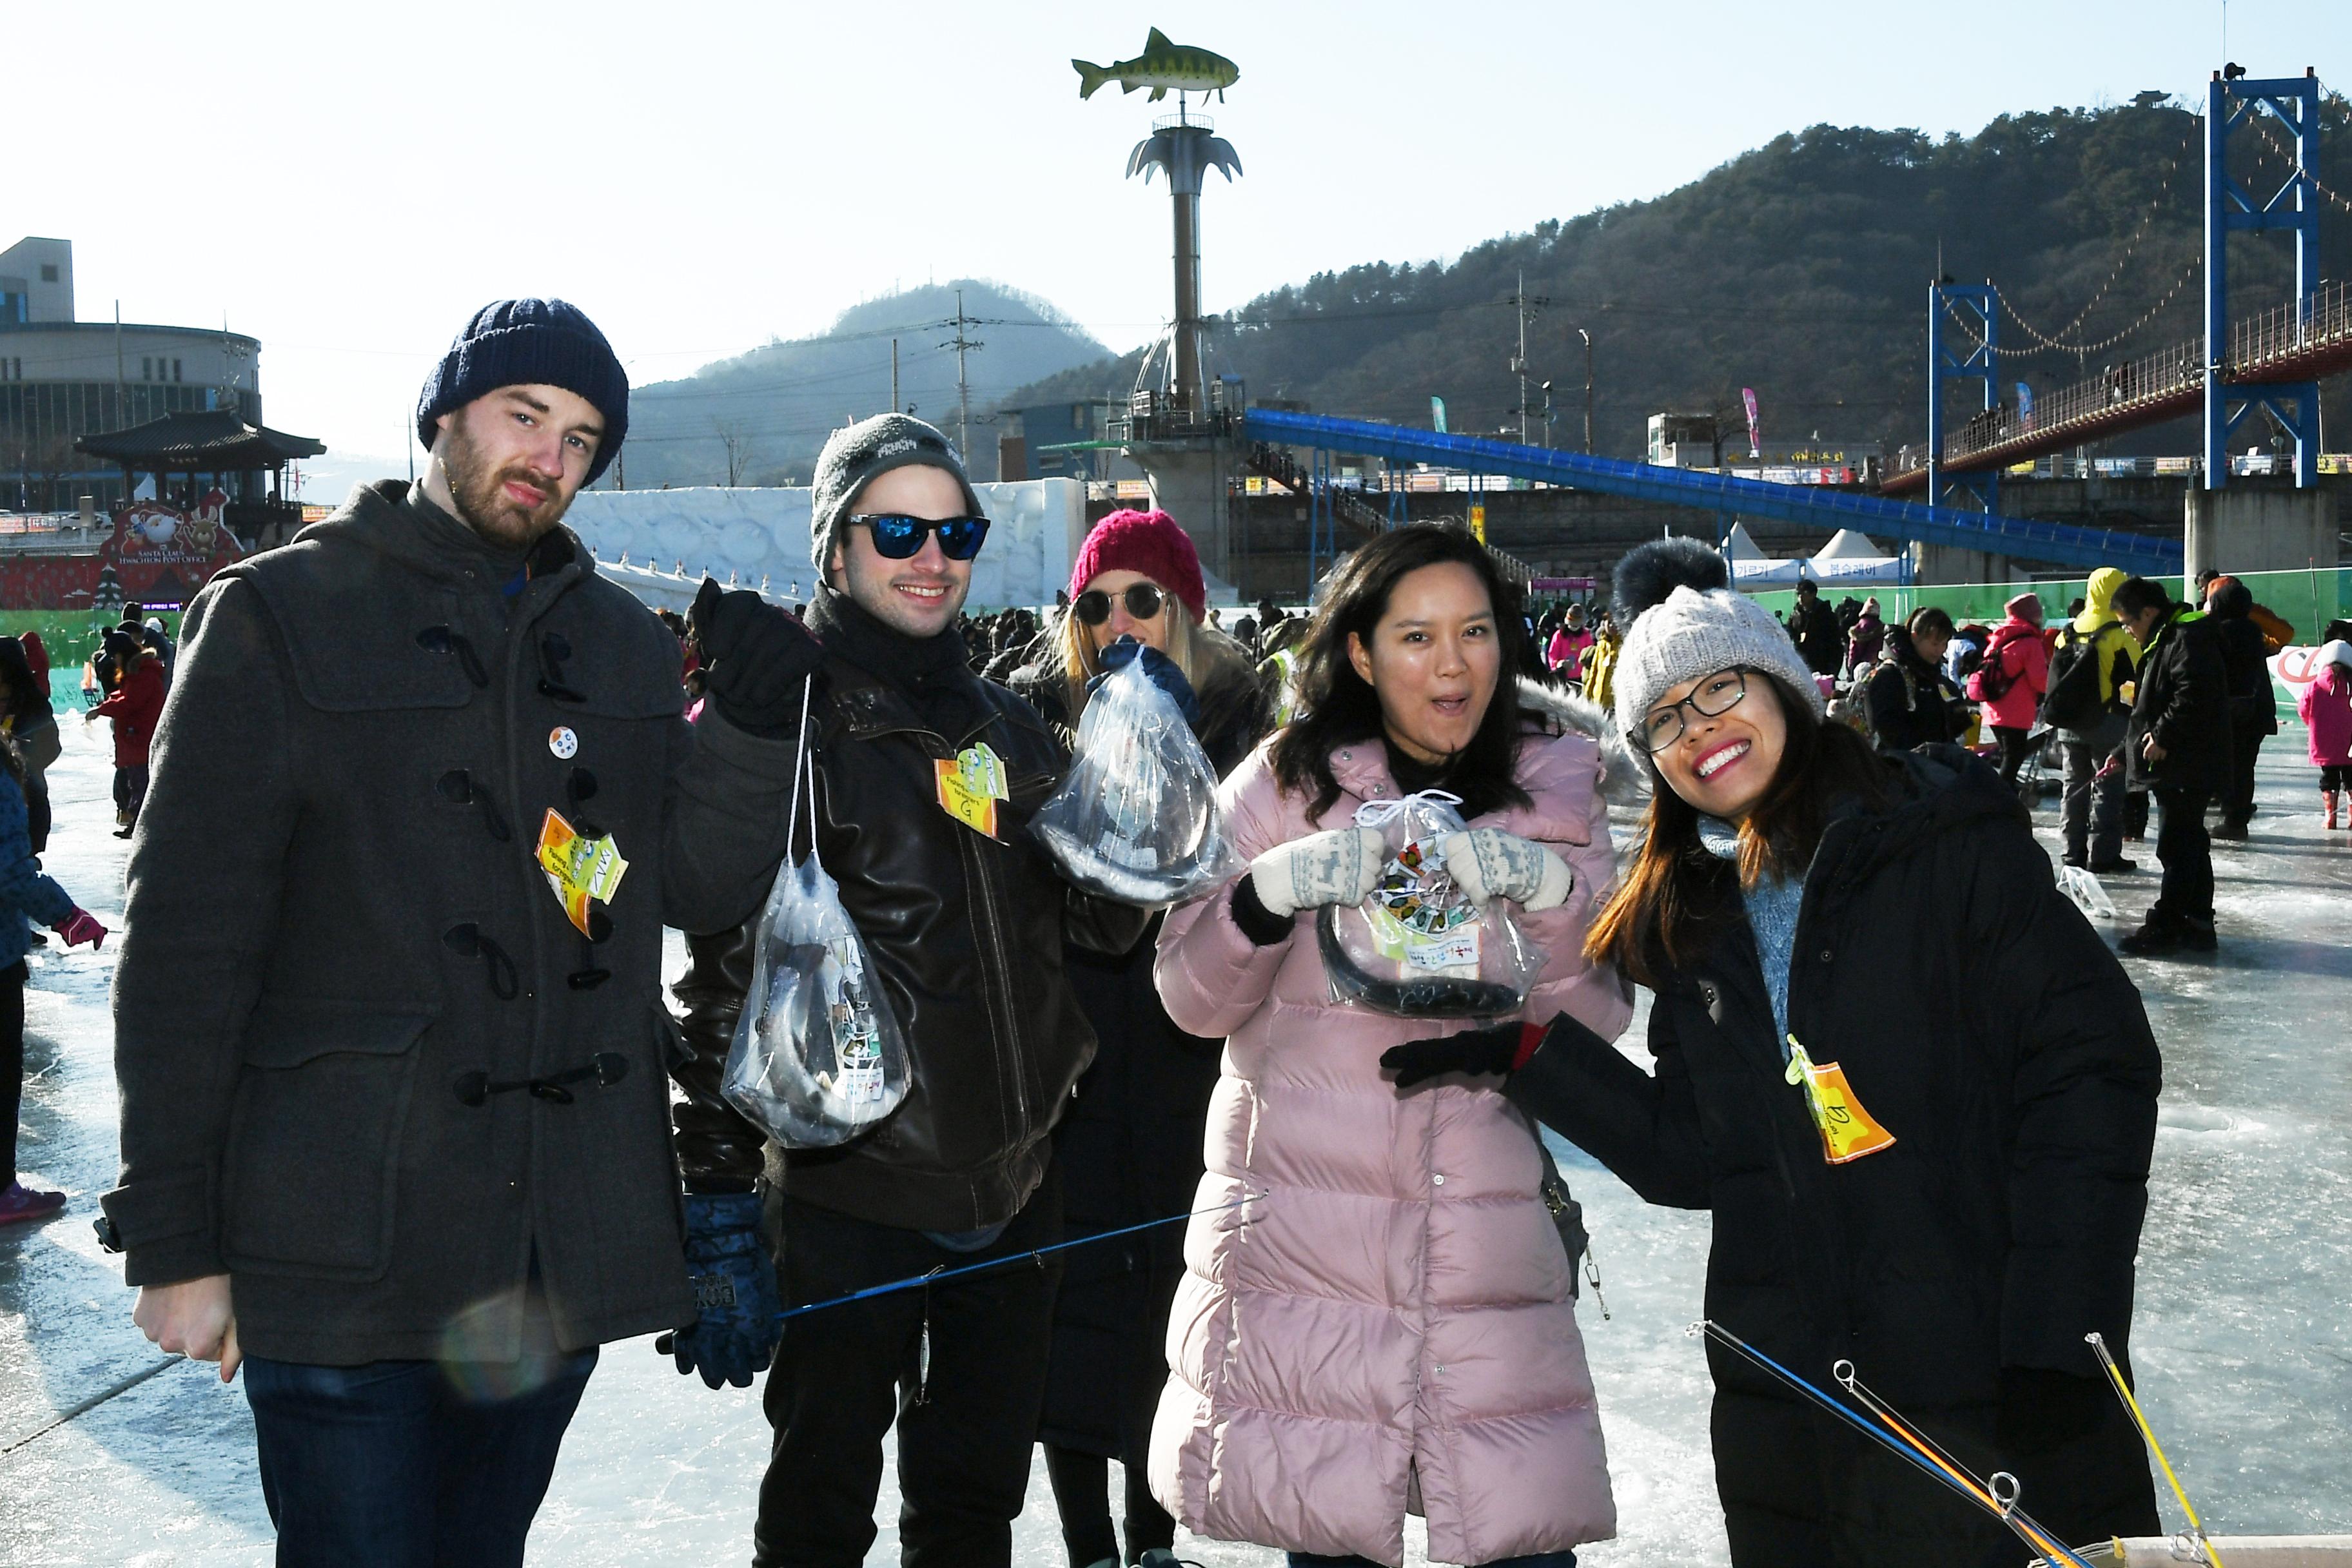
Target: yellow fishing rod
<point>2148,1435</point>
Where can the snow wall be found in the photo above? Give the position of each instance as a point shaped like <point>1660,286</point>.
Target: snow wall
<point>659,544</point>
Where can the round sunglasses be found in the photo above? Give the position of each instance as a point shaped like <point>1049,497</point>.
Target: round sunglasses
<point>897,537</point>
<point>1143,601</point>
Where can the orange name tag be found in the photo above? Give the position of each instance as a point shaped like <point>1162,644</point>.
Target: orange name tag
<point>970,784</point>
<point>1848,1131</point>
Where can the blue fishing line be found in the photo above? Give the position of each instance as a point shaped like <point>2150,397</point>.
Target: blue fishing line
<point>941,1276</point>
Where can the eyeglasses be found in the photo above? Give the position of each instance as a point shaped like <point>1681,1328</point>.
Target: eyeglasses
<point>1143,601</point>
<point>1717,695</point>
<point>897,537</point>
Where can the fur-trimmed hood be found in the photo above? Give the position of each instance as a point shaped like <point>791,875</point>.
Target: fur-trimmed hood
<point>1624,775</point>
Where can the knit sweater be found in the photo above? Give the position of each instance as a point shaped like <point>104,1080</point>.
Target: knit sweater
<point>1771,905</point>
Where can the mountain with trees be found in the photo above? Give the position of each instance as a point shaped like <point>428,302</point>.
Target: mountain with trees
<point>1801,269</point>
<point>760,417</point>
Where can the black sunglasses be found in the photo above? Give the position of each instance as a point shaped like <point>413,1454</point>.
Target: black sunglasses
<point>897,537</point>
<point>1143,601</point>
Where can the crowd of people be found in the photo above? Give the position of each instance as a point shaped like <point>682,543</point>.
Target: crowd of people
<point>406,1140</point>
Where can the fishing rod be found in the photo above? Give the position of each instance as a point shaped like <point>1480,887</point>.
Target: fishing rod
<point>1999,1500</point>
<point>84,1407</point>
<point>1989,1491</point>
<point>2116,1376</point>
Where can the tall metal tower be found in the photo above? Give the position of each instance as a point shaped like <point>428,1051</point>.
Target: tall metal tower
<point>2233,104</point>
<point>1187,150</point>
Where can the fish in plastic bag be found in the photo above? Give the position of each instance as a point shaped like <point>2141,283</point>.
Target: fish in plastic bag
<point>818,1055</point>
<point>2085,890</point>
<point>1136,818</point>
<point>1418,947</point>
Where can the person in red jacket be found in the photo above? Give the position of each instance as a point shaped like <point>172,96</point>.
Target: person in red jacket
<point>2011,680</point>
<point>135,705</point>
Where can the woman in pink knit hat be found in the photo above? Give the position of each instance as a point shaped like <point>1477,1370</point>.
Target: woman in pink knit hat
<point>1129,1145</point>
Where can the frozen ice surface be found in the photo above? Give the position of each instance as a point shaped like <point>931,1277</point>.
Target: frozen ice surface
<point>2243,1340</point>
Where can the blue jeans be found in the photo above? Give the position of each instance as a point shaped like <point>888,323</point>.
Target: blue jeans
<point>1533,1560</point>
<point>409,1464</point>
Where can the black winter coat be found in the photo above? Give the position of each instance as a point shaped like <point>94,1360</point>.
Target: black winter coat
<point>1910,702</point>
<point>1131,1144</point>
<point>2184,701</point>
<point>1982,1022</point>
<point>967,935</point>
<point>369,1068</point>
<point>1821,642</point>
<point>2245,662</point>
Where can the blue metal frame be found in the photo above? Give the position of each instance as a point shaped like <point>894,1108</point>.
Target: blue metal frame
<point>1398,515</point>
<point>2229,208</point>
<point>1814,507</point>
<point>1981,302</point>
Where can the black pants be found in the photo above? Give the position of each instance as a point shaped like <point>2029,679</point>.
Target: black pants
<point>2187,852</point>
<point>2014,750</point>
<point>37,810</point>
<point>2334,776</point>
<point>2238,802</point>
<point>966,1424</point>
<point>12,1065</point>
<point>130,793</point>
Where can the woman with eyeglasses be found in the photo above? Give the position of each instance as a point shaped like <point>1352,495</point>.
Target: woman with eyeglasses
<point>1130,1144</point>
<point>1386,1326</point>
<point>1912,1084</point>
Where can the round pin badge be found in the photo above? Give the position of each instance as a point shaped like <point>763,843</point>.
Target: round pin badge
<point>564,742</point>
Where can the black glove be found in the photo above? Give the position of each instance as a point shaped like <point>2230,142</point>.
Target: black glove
<point>755,655</point>
<point>2043,1410</point>
<point>1157,668</point>
<point>1493,1049</point>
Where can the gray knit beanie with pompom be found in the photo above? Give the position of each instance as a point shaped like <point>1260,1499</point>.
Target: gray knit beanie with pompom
<point>1686,622</point>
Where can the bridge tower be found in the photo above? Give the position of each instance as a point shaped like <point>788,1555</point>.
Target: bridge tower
<point>2234,105</point>
<point>1975,309</point>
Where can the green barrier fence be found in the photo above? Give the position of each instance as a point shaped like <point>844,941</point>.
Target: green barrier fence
<point>72,637</point>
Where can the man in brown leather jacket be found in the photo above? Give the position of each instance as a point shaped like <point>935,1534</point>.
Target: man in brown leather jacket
<point>964,923</point>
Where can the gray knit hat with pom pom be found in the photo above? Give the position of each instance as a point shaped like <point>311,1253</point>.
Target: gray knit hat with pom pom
<point>1687,621</point>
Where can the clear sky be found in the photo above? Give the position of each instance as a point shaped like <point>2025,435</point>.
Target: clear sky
<point>349,182</point>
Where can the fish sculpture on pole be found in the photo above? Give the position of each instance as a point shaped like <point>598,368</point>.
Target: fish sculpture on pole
<point>1162,66</point>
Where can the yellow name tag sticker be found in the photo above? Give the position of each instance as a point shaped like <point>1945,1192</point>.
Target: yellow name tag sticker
<point>579,868</point>
<point>1848,1131</point>
<point>971,783</point>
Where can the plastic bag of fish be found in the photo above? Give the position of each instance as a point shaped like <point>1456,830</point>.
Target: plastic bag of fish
<point>818,1055</point>
<point>1419,948</point>
<point>1136,819</point>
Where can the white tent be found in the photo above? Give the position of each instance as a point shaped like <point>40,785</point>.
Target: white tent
<point>1751,568</point>
<point>1852,558</point>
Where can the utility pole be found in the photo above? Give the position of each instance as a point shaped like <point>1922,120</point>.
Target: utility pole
<point>1525,310</point>
<point>894,375</point>
<point>1588,389</point>
<point>963,386</point>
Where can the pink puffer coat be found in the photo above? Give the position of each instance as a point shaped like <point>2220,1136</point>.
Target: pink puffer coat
<point>1391,1330</point>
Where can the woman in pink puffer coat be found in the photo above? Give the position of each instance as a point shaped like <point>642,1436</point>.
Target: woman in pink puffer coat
<point>1388,1328</point>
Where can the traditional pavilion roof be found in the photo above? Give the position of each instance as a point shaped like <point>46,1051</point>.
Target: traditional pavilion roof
<point>199,441</point>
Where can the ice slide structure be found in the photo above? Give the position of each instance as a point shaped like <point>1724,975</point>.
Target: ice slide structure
<point>1726,494</point>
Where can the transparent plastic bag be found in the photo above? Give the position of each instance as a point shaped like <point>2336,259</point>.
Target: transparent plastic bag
<point>2085,889</point>
<point>1418,947</point>
<point>1135,820</point>
<point>818,1056</point>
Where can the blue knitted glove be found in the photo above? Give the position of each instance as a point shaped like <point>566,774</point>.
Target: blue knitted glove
<point>1157,668</point>
<point>734,1337</point>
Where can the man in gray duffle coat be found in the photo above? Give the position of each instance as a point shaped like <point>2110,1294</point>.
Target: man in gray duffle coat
<point>391,1051</point>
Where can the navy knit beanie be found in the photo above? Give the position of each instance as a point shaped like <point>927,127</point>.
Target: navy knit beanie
<point>522,343</point>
